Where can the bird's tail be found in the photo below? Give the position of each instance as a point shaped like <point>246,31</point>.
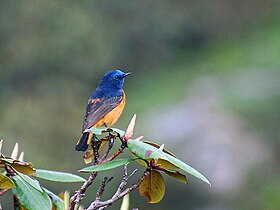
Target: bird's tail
<point>83,142</point>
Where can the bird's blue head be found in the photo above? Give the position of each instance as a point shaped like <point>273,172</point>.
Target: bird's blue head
<point>112,83</point>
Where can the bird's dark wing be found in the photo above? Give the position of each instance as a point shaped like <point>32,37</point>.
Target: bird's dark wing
<point>99,107</point>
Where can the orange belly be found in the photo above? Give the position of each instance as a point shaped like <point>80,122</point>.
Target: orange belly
<point>112,116</point>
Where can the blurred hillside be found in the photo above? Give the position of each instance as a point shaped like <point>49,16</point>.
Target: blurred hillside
<point>205,81</point>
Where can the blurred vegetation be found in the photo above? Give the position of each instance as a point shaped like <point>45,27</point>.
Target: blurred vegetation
<point>52,55</point>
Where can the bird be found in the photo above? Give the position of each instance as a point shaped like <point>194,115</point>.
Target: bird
<point>104,107</point>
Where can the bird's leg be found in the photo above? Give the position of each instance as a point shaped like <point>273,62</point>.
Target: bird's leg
<point>111,138</point>
<point>95,143</point>
<point>94,140</point>
<point>124,144</point>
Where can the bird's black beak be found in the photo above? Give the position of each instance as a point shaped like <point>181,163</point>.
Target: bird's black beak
<point>126,74</point>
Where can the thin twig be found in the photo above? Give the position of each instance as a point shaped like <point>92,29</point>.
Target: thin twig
<point>106,154</point>
<point>110,146</point>
<point>116,154</point>
<point>102,186</point>
<point>120,192</point>
<point>95,152</point>
<point>78,196</point>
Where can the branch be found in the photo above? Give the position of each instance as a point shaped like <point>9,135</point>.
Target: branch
<point>116,154</point>
<point>110,146</point>
<point>121,192</point>
<point>95,148</point>
<point>78,196</point>
<point>102,186</point>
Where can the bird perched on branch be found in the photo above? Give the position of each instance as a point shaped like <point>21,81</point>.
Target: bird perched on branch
<point>105,105</point>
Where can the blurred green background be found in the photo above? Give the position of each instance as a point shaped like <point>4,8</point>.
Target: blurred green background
<point>205,81</point>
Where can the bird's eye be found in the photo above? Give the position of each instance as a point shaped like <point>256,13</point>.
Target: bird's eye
<point>116,77</point>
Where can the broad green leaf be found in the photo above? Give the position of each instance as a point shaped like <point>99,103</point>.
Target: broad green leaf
<point>57,201</point>
<point>32,182</point>
<point>58,176</point>
<point>107,166</point>
<point>177,175</point>
<point>100,130</point>
<point>152,187</point>
<point>144,151</point>
<point>164,164</point>
<point>119,131</point>
<point>180,164</point>
<point>97,131</point>
<point>29,197</point>
<point>6,182</point>
<point>158,146</point>
<point>147,152</point>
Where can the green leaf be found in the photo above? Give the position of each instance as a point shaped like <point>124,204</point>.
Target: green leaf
<point>180,164</point>
<point>177,175</point>
<point>29,197</point>
<point>57,201</point>
<point>100,130</point>
<point>32,182</point>
<point>108,165</point>
<point>119,131</point>
<point>58,176</point>
<point>147,152</point>
<point>144,151</point>
<point>6,182</point>
<point>158,146</point>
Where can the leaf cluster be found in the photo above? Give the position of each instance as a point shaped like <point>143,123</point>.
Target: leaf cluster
<point>21,178</point>
<point>153,157</point>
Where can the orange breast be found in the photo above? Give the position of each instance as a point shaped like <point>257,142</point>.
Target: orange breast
<point>112,116</point>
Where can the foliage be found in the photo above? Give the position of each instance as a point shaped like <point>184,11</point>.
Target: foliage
<point>152,187</point>
<point>20,176</point>
<point>153,157</point>
<point>81,39</point>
